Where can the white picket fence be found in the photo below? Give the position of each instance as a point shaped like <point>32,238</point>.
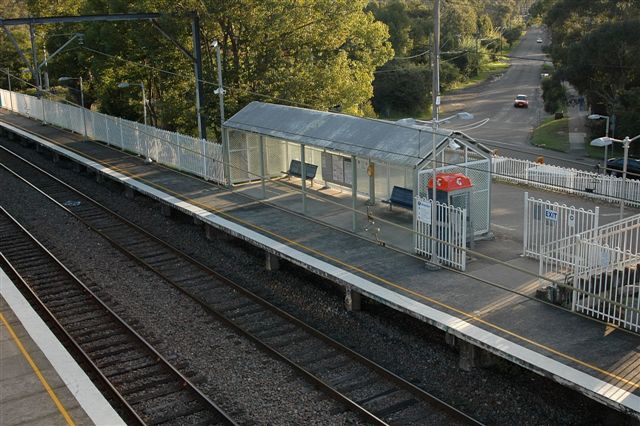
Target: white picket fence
<point>185,153</point>
<point>450,240</point>
<point>562,179</point>
<point>546,222</point>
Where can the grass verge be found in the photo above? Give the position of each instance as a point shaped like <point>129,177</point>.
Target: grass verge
<point>552,134</point>
<point>487,71</point>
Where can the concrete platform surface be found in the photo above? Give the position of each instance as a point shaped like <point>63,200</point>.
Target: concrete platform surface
<point>490,305</point>
<point>40,383</point>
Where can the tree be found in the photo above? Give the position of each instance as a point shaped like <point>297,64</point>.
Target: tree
<point>595,46</point>
<point>402,89</point>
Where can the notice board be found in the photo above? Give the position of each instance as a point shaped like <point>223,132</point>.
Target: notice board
<point>337,169</point>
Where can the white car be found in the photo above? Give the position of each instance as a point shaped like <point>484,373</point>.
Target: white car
<point>539,40</point>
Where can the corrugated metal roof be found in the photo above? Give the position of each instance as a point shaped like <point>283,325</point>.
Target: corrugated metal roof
<point>396,143</point>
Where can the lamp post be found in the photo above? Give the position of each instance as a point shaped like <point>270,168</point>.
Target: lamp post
<point>625,144</point>
<point>606,135</point>
<point>126,84</point>
<point>84,119</point>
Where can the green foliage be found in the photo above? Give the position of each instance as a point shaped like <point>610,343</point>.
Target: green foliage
<point>314,53</point>
<point>595,47</point>
<point>402,89</point>
<point>553,95</point>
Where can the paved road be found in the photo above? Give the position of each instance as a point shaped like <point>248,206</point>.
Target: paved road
<point>509,129</point>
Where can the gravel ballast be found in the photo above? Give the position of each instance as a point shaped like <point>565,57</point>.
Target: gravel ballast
<point>503,394</point>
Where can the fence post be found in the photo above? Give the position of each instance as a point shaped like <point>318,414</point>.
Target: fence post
<point>44,118</point>
<point>204,159</point>
<point>179,149</point>
<point>121,135</point>
<point>106,129</point>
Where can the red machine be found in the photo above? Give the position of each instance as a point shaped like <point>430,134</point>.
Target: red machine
<point>452,188</point>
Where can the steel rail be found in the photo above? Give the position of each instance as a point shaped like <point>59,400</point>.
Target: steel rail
<point>385,373</point>
<point>114,316</point>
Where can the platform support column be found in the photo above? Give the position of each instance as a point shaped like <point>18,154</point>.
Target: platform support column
<point>352,300</point>
<point>100,178</point>
<point>56,157</point>
<point>262,176</point>
<point>303,176</point>
<point>471,356</point>
<point>468,355</point>
<point>165,210</point>
<point>272,262</point>
<point>129,193</point>
<point>354,194</point>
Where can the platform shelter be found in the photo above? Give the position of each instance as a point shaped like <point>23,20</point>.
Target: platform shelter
<point>367,157</point>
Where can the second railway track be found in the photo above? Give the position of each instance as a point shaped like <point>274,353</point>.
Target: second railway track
<point>377,394</point>
<point>147,386</point>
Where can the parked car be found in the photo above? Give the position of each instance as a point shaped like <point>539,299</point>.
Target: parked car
<point>521,102</point>
<point>539,40</point>
<point>615,165</point>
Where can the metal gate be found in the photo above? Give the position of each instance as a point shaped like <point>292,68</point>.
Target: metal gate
<point>450,233</point>
<point>546,222</point>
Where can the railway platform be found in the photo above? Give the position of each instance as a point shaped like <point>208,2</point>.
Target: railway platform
<point>489,308</point>
<point>40,383</point>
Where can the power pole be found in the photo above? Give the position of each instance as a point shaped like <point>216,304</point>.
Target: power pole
<point>34,53</point>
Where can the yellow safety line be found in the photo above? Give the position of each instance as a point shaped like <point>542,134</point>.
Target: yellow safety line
<point>35,368</point>
<point>352,267</point>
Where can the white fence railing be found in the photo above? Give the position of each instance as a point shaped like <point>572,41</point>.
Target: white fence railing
<point>572,181</point>
<point>450,233</point>
<point>546,222</point>
<point>599,271</point>
<point>608,281</point>
<point>185,153</point>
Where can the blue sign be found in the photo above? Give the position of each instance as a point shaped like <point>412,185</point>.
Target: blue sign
<point>551,215</point>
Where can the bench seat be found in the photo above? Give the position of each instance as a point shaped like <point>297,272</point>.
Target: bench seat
<point>402,197</point>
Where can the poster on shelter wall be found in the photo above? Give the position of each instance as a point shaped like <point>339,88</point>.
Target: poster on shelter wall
<point>338,169</point>
<point>348,171</point>
<point>327,166</point>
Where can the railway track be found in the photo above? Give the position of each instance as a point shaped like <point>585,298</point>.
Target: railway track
<point>377,394</point>
<point>148,387</point>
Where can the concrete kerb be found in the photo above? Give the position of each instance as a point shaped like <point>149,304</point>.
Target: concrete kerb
<point>464,330</point>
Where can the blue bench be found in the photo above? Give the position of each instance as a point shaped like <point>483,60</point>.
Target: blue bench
<point>295,169</point>
<point>402,197</point>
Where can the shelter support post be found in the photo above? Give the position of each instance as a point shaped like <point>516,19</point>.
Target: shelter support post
<point>303,174</point>
<point>354,193</point>
<point>262,177</point>
<point>416,191</point>
<point>226,156</point>
<point>371,171</point>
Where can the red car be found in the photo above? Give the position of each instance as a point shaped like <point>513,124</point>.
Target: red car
<point>521,102</point>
